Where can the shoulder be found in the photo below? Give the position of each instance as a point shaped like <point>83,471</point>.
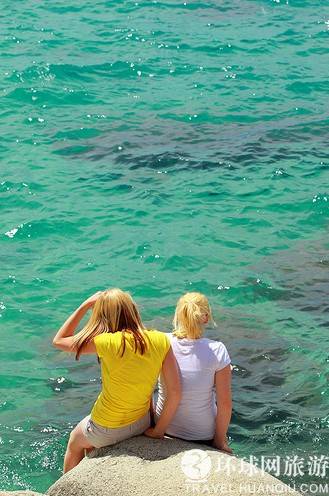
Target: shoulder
<point>107,340</point>
<point>155,335</point>
<point>158,338</point>
<point>210,344</point>
<point>107,337</point>
<point>101,339</point>
<point>220,352</point>
<point>216,345</point>
<point>102,343</point>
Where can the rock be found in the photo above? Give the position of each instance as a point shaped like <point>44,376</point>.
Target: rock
<point>148,467</point>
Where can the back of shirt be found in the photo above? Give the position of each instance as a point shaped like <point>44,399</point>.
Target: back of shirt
<point>198,360</point>
<point>129,380</point>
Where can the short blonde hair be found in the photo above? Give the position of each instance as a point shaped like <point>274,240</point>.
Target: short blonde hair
<point>114,311</point>
<point>190,310</point>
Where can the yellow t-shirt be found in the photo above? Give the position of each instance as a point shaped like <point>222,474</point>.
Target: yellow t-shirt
<point>127,381</point>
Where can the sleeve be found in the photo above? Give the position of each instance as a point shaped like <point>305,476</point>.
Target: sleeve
<point>102,344</point>
<point>166,345</point>
<point>162,344</point>
<point>222,356</point>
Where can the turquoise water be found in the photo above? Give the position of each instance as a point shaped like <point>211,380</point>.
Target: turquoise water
<point>163,147</point>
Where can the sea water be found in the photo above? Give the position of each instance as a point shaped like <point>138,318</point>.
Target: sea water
<point>163,147</point>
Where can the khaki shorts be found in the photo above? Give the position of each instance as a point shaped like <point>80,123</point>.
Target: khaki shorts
<point>99,436</point>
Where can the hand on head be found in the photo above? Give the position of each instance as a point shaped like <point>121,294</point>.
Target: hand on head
<point>90,302</point>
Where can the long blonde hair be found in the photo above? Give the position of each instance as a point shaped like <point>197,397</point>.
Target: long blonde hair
<point>114,311</point>
<point>191,309</point>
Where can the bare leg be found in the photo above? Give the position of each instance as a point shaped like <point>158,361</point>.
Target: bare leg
<point>76,447</point>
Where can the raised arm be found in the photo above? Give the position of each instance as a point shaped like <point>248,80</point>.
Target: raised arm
<point>170,374</point>
<point>63,340</point>
<point>224,408</point>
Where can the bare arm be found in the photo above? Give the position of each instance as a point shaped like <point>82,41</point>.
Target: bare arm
<point>63,340</point>
<point>170,373</point>
<point>224,407</point>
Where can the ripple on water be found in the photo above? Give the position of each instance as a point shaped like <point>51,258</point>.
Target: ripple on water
<point>162,148</point>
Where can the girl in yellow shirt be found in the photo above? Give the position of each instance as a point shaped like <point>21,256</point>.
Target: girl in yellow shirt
<point>131,358</point>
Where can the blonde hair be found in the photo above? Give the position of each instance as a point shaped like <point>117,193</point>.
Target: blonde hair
<point>113,311</point>
<point>190,311</point>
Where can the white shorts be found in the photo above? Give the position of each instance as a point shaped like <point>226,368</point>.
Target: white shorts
<point>99,436</point>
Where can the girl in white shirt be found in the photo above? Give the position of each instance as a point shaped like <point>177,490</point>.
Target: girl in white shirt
<point>205,377</point>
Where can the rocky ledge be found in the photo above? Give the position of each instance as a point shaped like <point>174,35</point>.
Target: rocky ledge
<point>147,467</point>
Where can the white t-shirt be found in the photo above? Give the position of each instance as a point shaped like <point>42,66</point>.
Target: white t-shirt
<point>198,360</point>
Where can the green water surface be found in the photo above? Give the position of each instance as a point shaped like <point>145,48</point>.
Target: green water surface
<point>163,147</point>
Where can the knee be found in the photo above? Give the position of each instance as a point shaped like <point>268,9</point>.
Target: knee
<point>72,440</point>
